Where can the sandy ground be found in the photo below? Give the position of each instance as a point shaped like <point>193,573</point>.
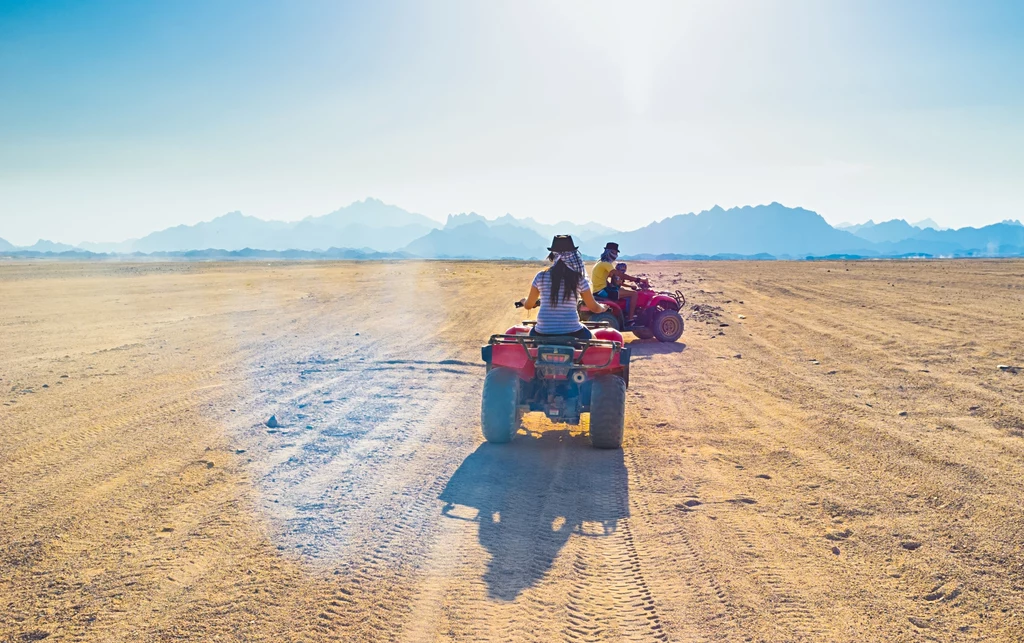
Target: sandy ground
<point>829,454</point>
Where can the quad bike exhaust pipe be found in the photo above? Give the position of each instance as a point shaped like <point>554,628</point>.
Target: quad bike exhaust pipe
<point>579,377</point>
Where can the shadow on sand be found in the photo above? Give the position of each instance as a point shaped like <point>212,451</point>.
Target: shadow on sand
<point>644,348</point>
<point>530,496</point>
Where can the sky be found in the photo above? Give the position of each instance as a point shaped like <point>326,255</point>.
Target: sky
<point>118,118</point>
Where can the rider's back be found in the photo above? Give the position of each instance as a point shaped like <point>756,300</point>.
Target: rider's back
<point>561,316</point>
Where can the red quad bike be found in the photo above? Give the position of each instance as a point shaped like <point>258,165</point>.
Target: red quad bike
<point>562,377</point>
<point>657,314</point>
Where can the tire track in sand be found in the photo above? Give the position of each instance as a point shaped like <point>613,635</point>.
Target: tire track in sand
<point>694,592</point>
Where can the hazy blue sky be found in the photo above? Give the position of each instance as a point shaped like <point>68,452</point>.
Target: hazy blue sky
<point>118,118</point>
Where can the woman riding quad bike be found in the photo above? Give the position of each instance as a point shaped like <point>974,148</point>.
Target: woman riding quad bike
<point>557,366</point>
<point>555,290</point>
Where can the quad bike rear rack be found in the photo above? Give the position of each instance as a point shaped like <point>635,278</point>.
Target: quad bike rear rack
<point>583,345</point>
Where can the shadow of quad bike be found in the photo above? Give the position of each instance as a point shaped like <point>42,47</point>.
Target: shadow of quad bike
<point>530,496</point>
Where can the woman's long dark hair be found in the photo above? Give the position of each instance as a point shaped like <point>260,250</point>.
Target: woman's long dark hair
<point>565,279</point>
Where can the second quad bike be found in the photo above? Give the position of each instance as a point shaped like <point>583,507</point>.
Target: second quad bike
<point>561,376</point>
<point>657,314</point>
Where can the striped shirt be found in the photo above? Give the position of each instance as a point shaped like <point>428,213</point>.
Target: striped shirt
<point>562,317</point>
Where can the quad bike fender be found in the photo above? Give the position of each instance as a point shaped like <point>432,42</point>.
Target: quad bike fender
<point>605,358</point>
<point>664,302</point>
<point>618,366</point>
<point>510,356</point>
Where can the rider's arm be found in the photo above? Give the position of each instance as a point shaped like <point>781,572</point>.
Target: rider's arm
<point>592,305</point>
<point>621,275</point>
<point>636,280</point>
<point>532,300</point>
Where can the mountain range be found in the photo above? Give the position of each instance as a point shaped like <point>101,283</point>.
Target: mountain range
<point>373,229</point>
<point>364,224</point>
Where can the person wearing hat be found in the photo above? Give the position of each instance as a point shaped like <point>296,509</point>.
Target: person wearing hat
<point>555,291</point>
<point>607,277</point>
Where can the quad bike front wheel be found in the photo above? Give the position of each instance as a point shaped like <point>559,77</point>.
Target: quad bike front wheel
<point>642,332</point>
<point>607,411</point>
<point>667,326</point>
<point>499,409</point>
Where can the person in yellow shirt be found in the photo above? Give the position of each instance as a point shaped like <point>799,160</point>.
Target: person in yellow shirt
<point>606,278</point>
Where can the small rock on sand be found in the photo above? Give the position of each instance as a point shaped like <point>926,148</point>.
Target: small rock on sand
<point>1009,369</point>
<point>273,423</point>
<point>919,622</point>
<point>835,550</point>
<point>903,414</point>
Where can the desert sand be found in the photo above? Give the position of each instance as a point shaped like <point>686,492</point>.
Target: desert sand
<point>830,453</point>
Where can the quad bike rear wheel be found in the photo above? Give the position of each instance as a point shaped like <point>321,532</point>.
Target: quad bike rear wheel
<point>612,320</point>
<point>668,325</point>
<point>499,409</point>
<point>607,411</point>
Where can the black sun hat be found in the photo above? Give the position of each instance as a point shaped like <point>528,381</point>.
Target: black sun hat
<point>611,245</point>
<point>563,243</point>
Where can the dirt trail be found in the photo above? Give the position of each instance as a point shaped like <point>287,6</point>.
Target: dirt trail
<point>830,453</point>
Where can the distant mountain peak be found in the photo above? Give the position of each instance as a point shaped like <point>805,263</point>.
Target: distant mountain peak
<point>749,230</point>
<point>234,214</point>
<point>927,223</point>
<point>455,220</point>
<point>892,231</point>
<point>45,245</point>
